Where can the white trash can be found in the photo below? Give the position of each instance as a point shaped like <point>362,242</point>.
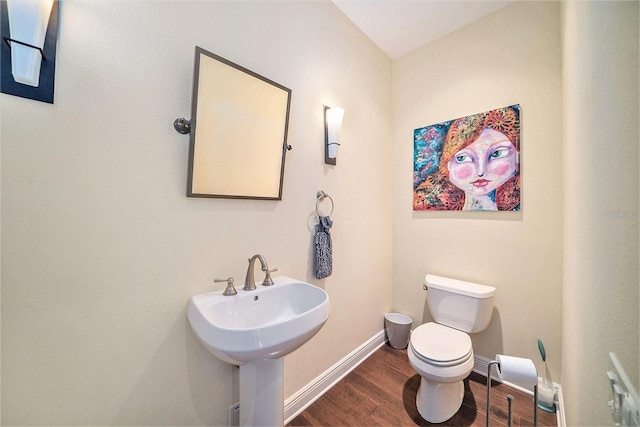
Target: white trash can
<point>398,327</point>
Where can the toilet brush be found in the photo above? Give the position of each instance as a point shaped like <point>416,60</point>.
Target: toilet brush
<point>546,392</point>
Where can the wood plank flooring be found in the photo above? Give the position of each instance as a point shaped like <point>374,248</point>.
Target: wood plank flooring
<point>382,392</point>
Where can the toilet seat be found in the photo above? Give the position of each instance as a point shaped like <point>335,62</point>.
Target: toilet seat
<point>439,345</point>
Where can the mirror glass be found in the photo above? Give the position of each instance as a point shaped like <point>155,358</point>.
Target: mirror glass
<point>239,123</point>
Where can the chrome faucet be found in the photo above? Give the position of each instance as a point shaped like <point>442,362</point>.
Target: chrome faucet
<point>249,281</point>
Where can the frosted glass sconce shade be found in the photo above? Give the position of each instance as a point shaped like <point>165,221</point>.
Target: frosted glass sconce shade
<point>28,21</point>
<point>333,122</point>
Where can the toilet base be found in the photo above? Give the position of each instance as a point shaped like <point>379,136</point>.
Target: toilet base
<point>437,402</point>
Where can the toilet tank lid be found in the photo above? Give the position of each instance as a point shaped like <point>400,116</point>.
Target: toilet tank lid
<point>459,286</point>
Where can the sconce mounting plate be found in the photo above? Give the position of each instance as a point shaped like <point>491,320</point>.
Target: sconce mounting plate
<point>328,160</point>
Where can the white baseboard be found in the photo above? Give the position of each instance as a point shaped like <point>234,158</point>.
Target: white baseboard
<point>301,400</point>
<point>480,366</point>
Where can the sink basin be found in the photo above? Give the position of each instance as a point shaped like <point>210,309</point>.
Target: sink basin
<point>266,323</point>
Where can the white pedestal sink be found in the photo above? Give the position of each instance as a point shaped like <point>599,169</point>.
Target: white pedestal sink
<point>255,329</point>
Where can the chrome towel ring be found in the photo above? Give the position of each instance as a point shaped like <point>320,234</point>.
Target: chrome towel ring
<point>320,197</point>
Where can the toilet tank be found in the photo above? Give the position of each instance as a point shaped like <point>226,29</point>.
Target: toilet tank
<point>461,305</point>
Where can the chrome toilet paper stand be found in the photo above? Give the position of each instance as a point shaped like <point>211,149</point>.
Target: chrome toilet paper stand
<point>509,397</point>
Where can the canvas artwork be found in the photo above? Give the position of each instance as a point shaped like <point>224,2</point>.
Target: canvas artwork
<point>471,163</point>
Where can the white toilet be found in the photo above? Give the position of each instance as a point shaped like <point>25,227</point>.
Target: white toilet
<point>441,352</point>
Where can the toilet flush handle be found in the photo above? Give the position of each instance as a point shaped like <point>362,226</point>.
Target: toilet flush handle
<point>424,286</point>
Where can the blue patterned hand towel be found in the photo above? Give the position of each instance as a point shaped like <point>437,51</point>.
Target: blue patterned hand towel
<point>322,248</point>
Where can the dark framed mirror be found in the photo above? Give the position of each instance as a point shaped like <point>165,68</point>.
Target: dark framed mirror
<point>239,122</point>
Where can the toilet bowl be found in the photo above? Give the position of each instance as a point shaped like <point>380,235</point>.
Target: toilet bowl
<point>441,352</point>
<point>442,368</point>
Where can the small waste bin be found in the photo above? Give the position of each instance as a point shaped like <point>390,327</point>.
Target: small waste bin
<point>398,327</point>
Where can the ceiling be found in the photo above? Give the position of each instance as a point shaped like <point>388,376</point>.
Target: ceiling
<point>401,26</point>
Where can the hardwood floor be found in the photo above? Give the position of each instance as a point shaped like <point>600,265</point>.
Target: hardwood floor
<point>382,392</point>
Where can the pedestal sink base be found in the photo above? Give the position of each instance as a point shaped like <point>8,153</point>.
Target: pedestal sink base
<point>262,393</point>
<point>255,330</point>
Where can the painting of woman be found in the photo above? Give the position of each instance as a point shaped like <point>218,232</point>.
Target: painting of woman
<point>471,163</point>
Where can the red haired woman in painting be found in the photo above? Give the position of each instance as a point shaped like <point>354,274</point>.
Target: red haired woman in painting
<point>479,165</point>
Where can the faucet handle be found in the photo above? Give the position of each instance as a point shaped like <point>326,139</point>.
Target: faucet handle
<point>231,290</point>
<point>268,281</point>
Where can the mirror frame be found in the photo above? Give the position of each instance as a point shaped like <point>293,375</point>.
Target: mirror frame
<point>232,122</point>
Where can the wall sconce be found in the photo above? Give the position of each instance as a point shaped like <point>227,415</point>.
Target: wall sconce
<point>29,35</point>
<point>28,21</point>
<point>332,124</point>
